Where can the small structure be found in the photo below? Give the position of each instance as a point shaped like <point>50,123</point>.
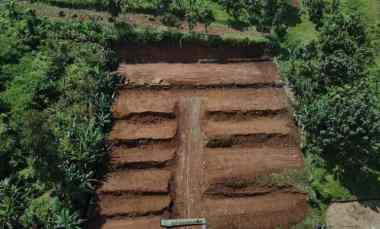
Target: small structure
<point>170,223</point>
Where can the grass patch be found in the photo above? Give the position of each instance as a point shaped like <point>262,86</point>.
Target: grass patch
<point>302,33</point>
<point>315,217</point>
<point>369,8</point>
<point>297,178</point>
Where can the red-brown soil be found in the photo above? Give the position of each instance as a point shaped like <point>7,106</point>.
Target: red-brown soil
<point>178,52</point>
<point>124,130</point>
<point>261,125</point>
<point>263,211</point>
<point>227,164</point>
<point>189,181</point>
<point>144,223</point>
<point>186,133</point>
<point>145,181</point>
<point>164,74</point>
<point>142,156</point>
<point>140,101</point>
<point>111,206</point>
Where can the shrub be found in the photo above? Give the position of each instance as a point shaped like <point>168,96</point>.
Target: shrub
<point>264,14</point>
<point>345,125</point>
<point>335,59</point>
<point>316,10</point>
<point>193,11</point>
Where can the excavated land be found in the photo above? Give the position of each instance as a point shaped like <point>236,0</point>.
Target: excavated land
<point>184,132</point>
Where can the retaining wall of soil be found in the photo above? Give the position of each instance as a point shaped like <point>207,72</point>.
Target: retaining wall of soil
<point>189,52</point>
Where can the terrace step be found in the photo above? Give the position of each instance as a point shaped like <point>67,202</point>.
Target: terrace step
<point>140,101</point>
<point>137,181</point>
<point>124,130</point>
<point>273,210</point>
<point>261,125</point>
<point>112,206</point>
<point>153,154</point>
<point>245,164</point>
<point>134,223</point>
<point>164,74</point>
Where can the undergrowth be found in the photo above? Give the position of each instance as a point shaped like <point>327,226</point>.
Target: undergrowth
<point>296,178</point>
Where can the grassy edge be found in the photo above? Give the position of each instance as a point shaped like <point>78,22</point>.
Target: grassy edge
<point>52,12</point>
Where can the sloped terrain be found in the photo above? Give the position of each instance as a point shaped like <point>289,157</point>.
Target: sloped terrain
<point>191,139</point>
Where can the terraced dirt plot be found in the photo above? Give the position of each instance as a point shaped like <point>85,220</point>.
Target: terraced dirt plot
<point>190,140</point>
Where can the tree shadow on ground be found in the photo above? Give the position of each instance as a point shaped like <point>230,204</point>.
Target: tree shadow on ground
<point>238,24</point>
<point>292,16</point>
<point>363,185</point>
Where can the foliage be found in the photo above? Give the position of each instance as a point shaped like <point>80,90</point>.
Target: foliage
<point>316,10</point>
<point>338,107</point>
<point>345,125</point>
<point>173,12</point>
<point>264,14</point>
<point>193,11</point>
<point>337,58</point>
<point>126,33</point>
<point>115,6</point>
<point>55,110</point>
<point>292,177</point>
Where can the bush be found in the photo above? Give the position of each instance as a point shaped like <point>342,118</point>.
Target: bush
<point>345,125</point>
<point>316,10</point>
<point>264,14</point>
<point>194,12</point>
<point>336,59</point>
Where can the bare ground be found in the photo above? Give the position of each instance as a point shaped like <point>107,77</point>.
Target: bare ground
<point>185,132</point>
<point>227,164</point>
<point>140,101</point>
<point>354,215</point>
<point>144,223</point>
<point>146,155</point>
<point>199,74</point>
<point>144,181</point>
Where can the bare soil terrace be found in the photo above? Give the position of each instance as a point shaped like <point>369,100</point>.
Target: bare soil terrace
<point>185,132</point>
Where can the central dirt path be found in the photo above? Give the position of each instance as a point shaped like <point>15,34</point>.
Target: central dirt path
<point>192,140</point>
<point>190,182</point>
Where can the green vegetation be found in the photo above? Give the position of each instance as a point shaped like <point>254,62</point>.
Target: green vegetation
<point>172,12</point>
<point>55,110</point>
<point>103,18</point>
<point>156,7</point>
<point>331,72</point>
<point>290,178</point>
<point>264,14</point>
<point>193,11</point>
<point>260,15</point>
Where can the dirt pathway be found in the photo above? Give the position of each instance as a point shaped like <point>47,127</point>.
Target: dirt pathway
<point>190,182</point>
<point>190,140</point>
